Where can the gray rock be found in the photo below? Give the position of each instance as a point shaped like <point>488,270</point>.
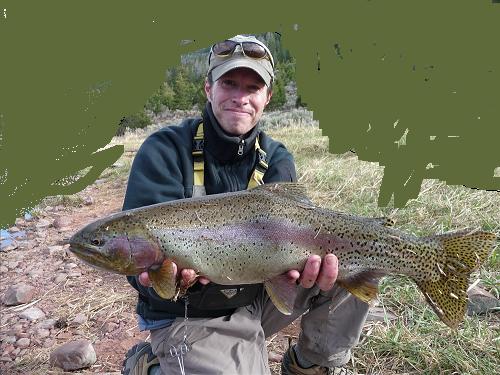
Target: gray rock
<point>12,264</point>
<point>481,301</point>
<point>42,333</point>
<point>73,355</point>
<point>23,342</point>
<point>60,277</point>
<point>70,266</point>
<point>47,324</point>
<point>88,201</point>
<point>9,339</point>
<point>55,250</point>
<point>43,223</point>
<point>18,294</point>
<point>33,313</point>
<point>378,314</point>
<point>3,269</point>
<point>78,320</point>
<point>62,222</point>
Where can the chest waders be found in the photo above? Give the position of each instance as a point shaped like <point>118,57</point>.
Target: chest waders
<point>199,165</point>
<point>213,296</point>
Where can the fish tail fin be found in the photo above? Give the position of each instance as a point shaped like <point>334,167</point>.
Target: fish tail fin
<point>463,253</point>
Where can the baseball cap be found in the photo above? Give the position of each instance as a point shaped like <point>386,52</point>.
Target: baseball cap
<point>241,51</point>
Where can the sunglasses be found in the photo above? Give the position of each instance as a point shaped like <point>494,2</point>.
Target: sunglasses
<point>250,49</point>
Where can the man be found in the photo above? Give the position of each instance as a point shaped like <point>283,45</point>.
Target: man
<point>226,326</point>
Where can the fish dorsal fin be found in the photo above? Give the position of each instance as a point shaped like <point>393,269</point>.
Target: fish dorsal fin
<point>385,221</point>
<point>290,190</point>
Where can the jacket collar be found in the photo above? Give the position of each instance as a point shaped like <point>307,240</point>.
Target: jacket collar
<point>222,145</point>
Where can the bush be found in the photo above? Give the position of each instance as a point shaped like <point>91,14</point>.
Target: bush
<point>137,120</point>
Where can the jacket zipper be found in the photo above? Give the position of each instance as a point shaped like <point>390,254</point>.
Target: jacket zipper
<point>241,146</point>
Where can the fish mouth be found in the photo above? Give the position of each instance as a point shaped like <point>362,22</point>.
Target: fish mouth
<point>93,256</point>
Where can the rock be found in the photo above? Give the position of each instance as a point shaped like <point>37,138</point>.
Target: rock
<point>87,201</point>
<point>481,301</point>
<point>70,266</point>
<point>23,342</point>
<point>49,343</point>
<point>12,264</point>
<point>16,351</point>
<point>74,274</point>
<point>5,359</point>
<point>378,314</point>
<point>13,229</point>
<point>55,250</point>
<point>8,244</point>
<point>60,277</point>
<point>73,355</point>
<point>33,313</point>
<point>43,223</point>
<point>28,217</point>
<point>42,333</point>
<point>19,235</point>
<point>47,324</point>
<point>62,222</point>
<point>9,339</point>
<point>18,294</point>
<point>3,269</point>
<point>78,320</point>
<point>274,357</point>
<point>109,327</point>
<point>8,349</point>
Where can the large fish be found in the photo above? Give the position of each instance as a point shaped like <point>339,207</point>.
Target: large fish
<point>255,236</point>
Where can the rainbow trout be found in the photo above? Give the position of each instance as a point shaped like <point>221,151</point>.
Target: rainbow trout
<point>255,236</point>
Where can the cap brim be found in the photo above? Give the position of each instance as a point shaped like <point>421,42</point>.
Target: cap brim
<point>243,62</point>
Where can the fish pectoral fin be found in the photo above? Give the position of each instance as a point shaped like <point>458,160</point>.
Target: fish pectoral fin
<point>164,280</point>
<point>364,285</point>
<point>282,293</point>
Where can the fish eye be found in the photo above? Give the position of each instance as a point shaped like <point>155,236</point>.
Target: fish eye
<point>96,242</point>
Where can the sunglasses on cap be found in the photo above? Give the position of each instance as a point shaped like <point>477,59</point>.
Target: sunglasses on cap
<point>250,49</point>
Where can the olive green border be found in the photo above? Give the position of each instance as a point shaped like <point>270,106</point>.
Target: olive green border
<point>412,85</point>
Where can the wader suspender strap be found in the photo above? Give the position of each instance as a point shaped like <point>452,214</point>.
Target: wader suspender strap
<point>199,166</point>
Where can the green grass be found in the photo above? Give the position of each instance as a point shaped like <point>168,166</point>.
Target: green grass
<point>416,342</point>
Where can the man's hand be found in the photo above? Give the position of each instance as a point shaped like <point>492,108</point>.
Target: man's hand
<point>188,278</point>
<point>324,273</point>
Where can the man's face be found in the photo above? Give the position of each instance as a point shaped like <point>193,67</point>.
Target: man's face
<point>238,99</point>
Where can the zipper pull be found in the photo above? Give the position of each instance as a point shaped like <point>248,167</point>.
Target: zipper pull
<point>241,146</point>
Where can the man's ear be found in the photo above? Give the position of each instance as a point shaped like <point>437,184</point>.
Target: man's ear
<point>208,93</point>
<point>269,96</point>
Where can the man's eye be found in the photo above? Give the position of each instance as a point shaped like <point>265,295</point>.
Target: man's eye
<point>228,83</point>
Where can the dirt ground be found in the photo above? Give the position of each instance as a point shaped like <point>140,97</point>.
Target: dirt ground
<point>79,302</point>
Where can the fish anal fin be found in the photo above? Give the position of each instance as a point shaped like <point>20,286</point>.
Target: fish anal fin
<point>448,298</point>
<point>282,293</point>
<point>164,280</point>
<point>363,285</point>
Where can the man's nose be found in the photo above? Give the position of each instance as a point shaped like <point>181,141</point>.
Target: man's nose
<point>240,96</point>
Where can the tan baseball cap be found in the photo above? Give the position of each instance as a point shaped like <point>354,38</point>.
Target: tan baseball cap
<point>221,64</point>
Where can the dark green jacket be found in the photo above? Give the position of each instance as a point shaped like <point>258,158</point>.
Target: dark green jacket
<point>163,171</point>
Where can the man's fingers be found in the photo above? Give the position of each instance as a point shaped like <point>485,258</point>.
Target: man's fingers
<point>328,272</point>
<point>310,272</point>
<point>188,277</point>
<point>144,279</point>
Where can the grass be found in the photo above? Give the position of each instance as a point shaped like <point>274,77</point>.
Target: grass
<point>416,342</point>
